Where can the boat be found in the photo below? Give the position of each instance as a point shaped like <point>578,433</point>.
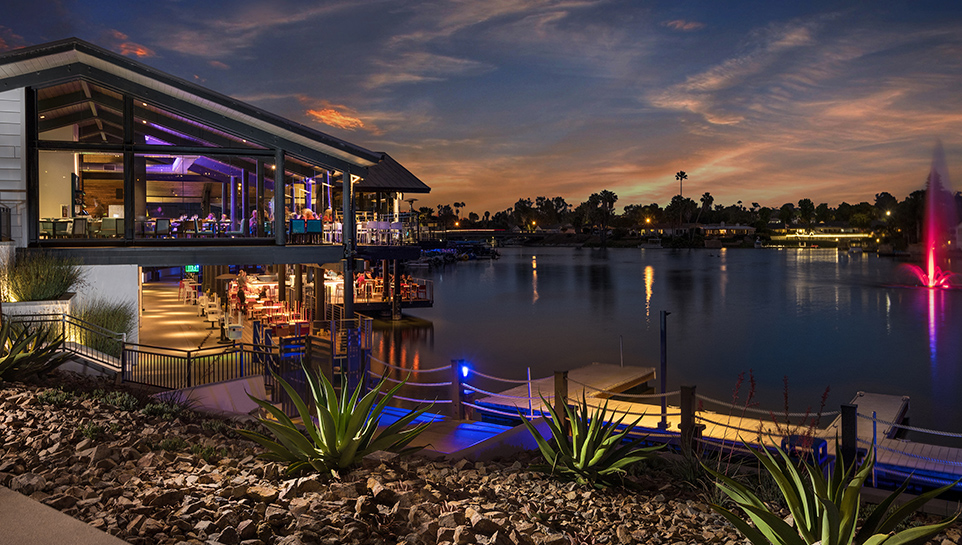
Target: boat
<point>653,242</point>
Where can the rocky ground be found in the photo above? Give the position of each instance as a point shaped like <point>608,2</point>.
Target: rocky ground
<point>167,477</point>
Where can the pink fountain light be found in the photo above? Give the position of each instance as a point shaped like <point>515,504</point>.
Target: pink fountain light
<point>939,218</point>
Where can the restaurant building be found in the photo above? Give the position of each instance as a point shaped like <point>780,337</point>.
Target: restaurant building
<point>125,167</point>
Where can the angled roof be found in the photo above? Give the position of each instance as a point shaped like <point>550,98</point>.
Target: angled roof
<point>389,175</point>
<point>67,59</point>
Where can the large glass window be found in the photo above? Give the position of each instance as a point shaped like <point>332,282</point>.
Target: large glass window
<point>78,191</point>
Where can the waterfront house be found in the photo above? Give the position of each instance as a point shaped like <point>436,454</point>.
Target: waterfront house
<point>128,168</point>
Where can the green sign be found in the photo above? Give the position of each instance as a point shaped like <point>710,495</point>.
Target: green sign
<point>191,268</point>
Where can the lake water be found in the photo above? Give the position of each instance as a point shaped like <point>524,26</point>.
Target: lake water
<point>816,318</point>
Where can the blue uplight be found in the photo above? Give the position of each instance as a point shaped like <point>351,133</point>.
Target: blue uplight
<point>464,371</point>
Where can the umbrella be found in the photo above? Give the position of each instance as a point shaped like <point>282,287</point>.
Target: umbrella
<point>226,276</point>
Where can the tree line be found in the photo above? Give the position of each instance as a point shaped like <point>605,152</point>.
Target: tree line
<point>887,215</point>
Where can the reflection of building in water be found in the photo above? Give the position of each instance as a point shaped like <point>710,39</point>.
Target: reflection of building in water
<point>400,342</point>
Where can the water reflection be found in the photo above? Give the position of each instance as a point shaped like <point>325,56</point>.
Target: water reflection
<point>534,279</point>
<point>649,285</point>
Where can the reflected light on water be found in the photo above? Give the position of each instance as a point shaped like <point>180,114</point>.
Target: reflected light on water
<point>534,279</point>
<point>649,282</point>
<point>933,336</point>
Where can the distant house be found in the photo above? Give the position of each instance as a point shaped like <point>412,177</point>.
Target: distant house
<point>725,231</point>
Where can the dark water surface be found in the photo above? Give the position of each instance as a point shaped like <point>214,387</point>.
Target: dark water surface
<point>821,318</point>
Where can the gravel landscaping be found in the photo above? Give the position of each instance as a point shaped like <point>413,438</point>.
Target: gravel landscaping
<point>166,477</point>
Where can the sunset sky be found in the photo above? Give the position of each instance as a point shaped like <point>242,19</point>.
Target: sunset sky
<point>490,101</point>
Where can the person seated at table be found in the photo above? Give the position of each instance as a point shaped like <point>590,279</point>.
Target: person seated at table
<point>361,280</point>
<point>210,217</point>
<point>328,216</point>
<point>307,214</point>
<point>223,217</point>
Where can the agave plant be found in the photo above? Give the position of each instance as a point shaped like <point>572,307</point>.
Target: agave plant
<point>595,452</point>
<point>26,351</point>
<point>340,431</point>
<point>824,510</point>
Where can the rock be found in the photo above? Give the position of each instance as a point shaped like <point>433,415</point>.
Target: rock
<point>167,498</point>
<point>28,483</point>
<point>289,540</point>
<point>365,506</point>
<point>463,535</point>
<point>375,459</point>
<point>228,536</point>
<point>265,494</point>
<point>247,530</point>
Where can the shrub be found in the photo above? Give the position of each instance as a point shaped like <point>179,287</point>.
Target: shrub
<point>824,509</point>
<point>56,397</point>
<point>595,452</point>
<point>169,406</point>
<point>27,351</point>
<point>208,453</point>
<point>122,400</point>
<point>171,444</point>
<point>91,431</point>
<point>37,276</point>
<point>113,317</point>
<point>345,431</point>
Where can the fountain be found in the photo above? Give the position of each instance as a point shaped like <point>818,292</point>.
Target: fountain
<point>940,218</point>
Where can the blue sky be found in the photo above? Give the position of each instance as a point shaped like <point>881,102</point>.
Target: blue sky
<point>490,101</point>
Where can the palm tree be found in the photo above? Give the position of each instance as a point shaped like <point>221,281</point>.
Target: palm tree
<point>681,176</point>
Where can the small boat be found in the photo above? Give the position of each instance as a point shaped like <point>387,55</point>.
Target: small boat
<point>854,249</point>
<point>758,242</point>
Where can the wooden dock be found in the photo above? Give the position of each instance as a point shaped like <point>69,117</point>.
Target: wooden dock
<point>895,457</point>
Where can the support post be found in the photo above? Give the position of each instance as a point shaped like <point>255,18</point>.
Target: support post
<point>690,431</point>
<point>241,223</point>
<point>281,282</point>
<point>348,235</point>
<point>561,400</point>
<point>849,445</point>
<point>663,373</point>
<point>319,295</point>
<point>259,198</point>
<point>298,284</point>
<point>280,218</point>
<point>396,300</point>
<point>457,409</point>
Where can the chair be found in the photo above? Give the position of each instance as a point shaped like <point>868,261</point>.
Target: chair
<point>46,229</point>
<point>190,228</point>
<point>60,229</point>
<point>298,230</point>
<point>79,228</point>
<point>315,229</point>
<point>108,227</point>
<point>162,228</point>
<point>231,232</point>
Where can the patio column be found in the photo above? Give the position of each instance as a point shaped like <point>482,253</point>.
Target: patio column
<point>281,282</point>
<point>348,236</point>
<point>280,218</point>
<point>259,197</point>
<point>319,294</point>
<point>396,300</point>
<point>233,202</point>
<point>298,283</point>
<point>245,212</point>
<point>385,280</point>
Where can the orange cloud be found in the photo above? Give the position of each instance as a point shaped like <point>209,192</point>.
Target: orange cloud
<point>219,65</point>
<point>9,40</point>
<point>334,115</point>
<point>682,25</point>
<point>128,48</point>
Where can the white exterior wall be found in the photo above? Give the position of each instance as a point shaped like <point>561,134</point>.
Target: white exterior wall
<point>114,283</point>
<point>13,185</point>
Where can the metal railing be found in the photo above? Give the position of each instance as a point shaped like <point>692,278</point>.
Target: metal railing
<point>89,341</point>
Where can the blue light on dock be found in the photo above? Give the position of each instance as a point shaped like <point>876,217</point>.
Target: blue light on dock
<point>464,371</point>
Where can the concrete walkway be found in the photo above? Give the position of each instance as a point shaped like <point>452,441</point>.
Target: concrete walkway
<point>24,521</point>
<point>169,323</point>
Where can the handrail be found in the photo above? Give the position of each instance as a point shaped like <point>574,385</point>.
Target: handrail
<point>619,394</point>
<point>910,455</point>
<point>433,370</point>
<point>441,401</point>
<point>502,413</point>
<point>396,381</point>
<point>492,394</point>
<point>490,377</point>
<point>731,427</point>
<point>911,428</point>
<point>763,411</point>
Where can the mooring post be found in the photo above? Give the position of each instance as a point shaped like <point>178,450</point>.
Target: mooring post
<point>849,433</point>
<point>561,399</point>
<point>663,374</point>
<point>457,409</point>
<point>690,431</point>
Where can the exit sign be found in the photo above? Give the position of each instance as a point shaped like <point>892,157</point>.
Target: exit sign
<point>191,268</point>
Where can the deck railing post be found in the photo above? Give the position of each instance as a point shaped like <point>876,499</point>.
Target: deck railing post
<point>190,369</point>
<point>561,399</point>
<point>874,446</point>
<point>457,409</point>
<point>530,409</point>
<point>849,433</point>
<point>690,431</point>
